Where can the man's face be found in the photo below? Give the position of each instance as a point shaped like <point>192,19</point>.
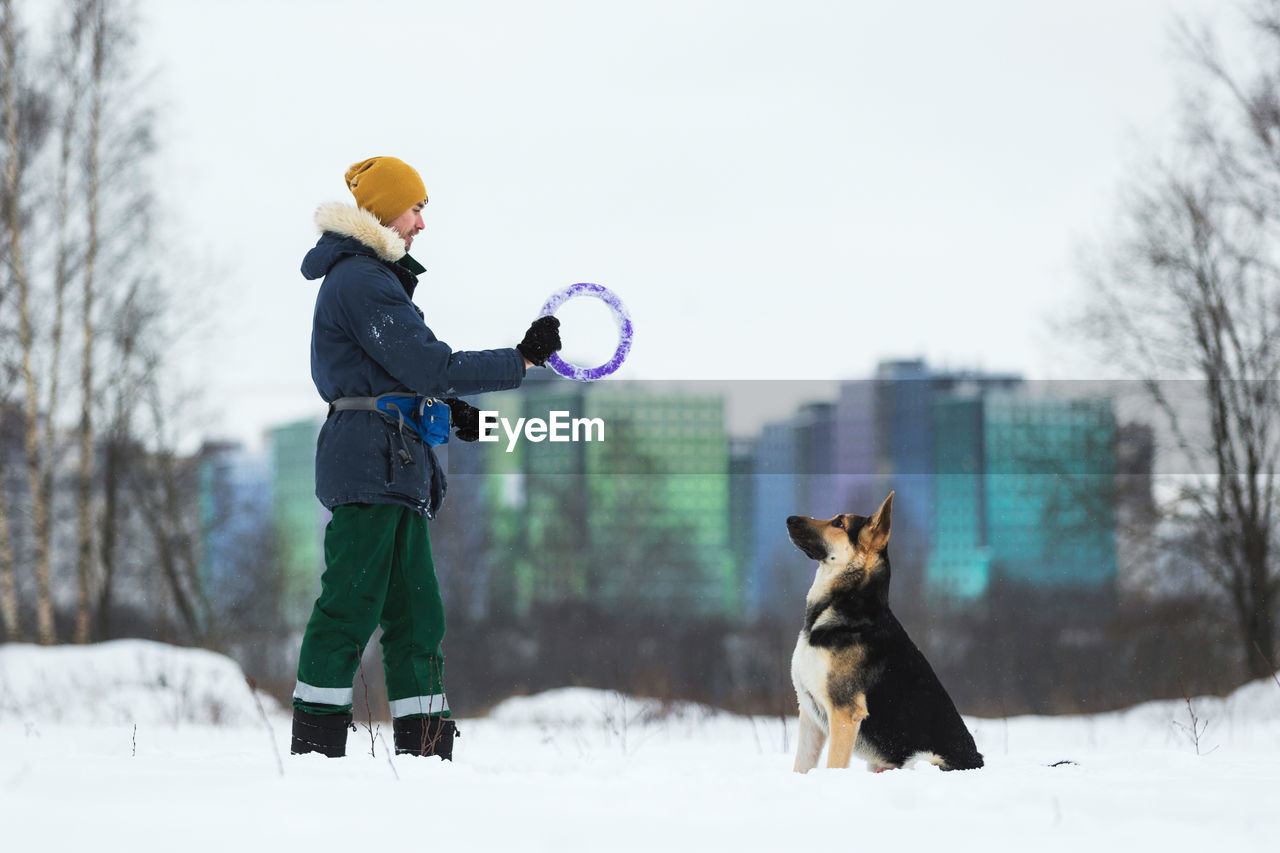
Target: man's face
<point>409,223</point>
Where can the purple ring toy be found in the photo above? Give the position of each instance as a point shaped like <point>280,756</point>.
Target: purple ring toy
<point>589,374</point>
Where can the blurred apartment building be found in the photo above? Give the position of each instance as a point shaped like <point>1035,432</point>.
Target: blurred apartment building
<point>639,520</point>
<point>298,519</point>
<point>1025,491</point>
<point>259,514</point>
<point>235,507</point>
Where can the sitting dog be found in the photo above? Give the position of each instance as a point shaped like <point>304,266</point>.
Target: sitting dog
<point>858,677</point>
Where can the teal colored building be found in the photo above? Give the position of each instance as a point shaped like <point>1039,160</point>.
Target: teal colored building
<point>959,563</point>
<point>1024,491</point>
<point>297,517</point>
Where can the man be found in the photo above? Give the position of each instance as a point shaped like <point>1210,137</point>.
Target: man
<point>382,371</point>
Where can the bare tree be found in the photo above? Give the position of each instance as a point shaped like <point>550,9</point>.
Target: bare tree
<point>1190,290</point>
<point>18,145</point>
<point>9,361</point>
<point>168,514</point>
<point>9,619</point>
<point>135,324</point>
<point>97,30</point>
<point>127,331</point>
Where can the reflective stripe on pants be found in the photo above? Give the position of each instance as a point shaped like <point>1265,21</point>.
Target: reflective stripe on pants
<point>311,694</point>
<point>420,705</point>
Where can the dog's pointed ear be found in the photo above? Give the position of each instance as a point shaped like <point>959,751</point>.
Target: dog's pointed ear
<point>875,533</point>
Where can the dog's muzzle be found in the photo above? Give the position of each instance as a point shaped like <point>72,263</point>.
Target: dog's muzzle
<point>804,537</point>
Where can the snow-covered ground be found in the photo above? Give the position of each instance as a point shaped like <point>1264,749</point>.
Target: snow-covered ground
<point>135,746</point>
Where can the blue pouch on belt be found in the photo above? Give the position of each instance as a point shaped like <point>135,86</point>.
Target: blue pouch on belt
<point>428,416</point>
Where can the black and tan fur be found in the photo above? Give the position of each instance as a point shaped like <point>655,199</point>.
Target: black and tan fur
<point>859,679</point>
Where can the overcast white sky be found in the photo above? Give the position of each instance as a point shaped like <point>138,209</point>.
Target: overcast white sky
<point>777,190</point>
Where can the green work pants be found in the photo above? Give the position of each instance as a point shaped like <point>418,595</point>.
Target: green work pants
<point>378,571</point>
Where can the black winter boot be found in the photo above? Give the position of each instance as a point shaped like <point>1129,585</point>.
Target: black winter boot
<point>425,736</point>
<point>322,733</point>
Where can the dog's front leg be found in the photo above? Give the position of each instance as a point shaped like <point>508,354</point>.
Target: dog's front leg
<point>845,722</point>
<point>809,742</point>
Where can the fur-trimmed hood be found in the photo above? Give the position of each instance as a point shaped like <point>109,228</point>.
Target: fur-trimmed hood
<point>350,224</point>
<point>351,221</point>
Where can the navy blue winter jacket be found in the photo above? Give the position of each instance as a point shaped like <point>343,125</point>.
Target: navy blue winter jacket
<point>369,338</point>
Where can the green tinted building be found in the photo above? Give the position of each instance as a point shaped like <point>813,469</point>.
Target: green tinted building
<point>632,514</point>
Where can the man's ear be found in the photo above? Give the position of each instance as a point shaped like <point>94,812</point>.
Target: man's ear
<point>875,533</point>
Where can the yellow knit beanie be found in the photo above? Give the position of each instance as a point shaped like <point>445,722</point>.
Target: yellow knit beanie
<point>385,186</point>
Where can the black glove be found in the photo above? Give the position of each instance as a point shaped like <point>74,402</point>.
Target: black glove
<point>464,418</point>
<point>542,339</point>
